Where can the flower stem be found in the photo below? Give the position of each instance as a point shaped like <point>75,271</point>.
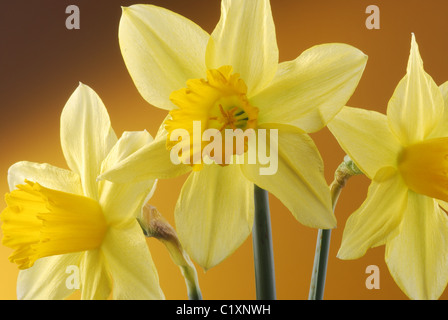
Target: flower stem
<point>262,246</point>
<point>345,170</point>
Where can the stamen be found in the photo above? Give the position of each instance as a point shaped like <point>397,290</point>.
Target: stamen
<point>220,102</point>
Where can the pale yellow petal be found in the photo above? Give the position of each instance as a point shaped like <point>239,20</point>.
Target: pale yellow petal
<point>418,256</point>
<point>443,205</point>
<point>366,137</point>
<point>444,90</point>
<point>152,161</point>
<point>96,283</point>
<point>86,136</point>
<point>378,218</point>
<point>417,105</point>
<point>214,213</point>
<point>130,264</point>
<point>123,201</point>
<point>309,91</point>
<point>245,39</point>
<point>295,175</point>
<point>129,142</point>
<point>441,130</point>
<point>162,50</point>
<point>49,278</point>
<point>46,175</point>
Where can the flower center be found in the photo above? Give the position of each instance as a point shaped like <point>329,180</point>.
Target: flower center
<point>218,103</point>
<point>40,222</point>
<point>424,167</point>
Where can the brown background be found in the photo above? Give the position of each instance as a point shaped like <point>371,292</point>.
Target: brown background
<point>41,63</point>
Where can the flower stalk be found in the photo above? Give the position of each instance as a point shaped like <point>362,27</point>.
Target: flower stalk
<point>345,170</point>
<point>262,247</point>
<point>155,226</point>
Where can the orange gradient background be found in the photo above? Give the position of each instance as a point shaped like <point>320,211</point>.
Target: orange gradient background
<point>41,63</point>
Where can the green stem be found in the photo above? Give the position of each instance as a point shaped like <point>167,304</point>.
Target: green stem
<point>321,256</point>
<point>342,174</point>
<point>262,246</point>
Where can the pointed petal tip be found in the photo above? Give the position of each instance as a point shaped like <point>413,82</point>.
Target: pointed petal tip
<point>414,46</point>
<point>344,255</point>
<point>413,41</point>
<point>128,11</point>
<point>414,55</point>
<point>330,226</point>
<point>341,256</point>
<point>110,176</point>
<point>329,223</point>
<point>83,86</point>
<point>335,223</point>
<point>103,177</point>
<point>135,7</point>
<point>80,86</point>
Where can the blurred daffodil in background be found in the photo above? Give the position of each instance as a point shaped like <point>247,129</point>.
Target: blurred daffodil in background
<point>405,154</point>
<point>57,219</point>
<point>232,79</point>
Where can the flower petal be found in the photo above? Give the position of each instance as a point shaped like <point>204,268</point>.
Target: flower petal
<point>86,136</point>
<point>214,213</point>
<point>366,137</point>
<point>130,264</point>
<point>162,50</point>
<point>46,175</point>
<point>47,278</point>
<point>444,90</point>
<point>443,205</point>
<point>417,105</point>
<point>129,142</point>
<point>123,201</point>
<point>95,279</point>
<point>245,39</point>
<point>152,161</point>
<point>299,182</point>
<point>418,256</point>
<point>442,130</point>
<point>309,91</point>
<point>378,217</point>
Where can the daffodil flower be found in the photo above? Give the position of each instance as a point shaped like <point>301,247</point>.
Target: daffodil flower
<point>232,79</point>
<point>57,219</point>
<point>405,155</point>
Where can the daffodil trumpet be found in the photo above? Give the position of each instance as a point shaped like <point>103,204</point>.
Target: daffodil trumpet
<point>344,171</point>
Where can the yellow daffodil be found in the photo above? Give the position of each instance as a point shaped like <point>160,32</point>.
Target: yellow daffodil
<point>232,79</point>
<point>60,220</point>
<point>405,155</point>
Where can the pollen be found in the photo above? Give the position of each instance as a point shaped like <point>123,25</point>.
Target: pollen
<point>424,167</point>
<point>40,222</point>
<point>219,102</point>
